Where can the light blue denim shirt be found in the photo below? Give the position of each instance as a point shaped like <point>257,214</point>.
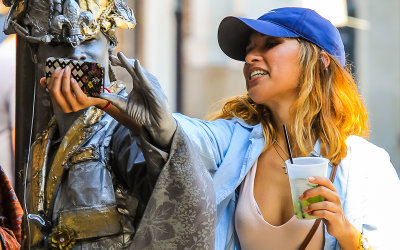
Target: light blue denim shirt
<point>230,147</point>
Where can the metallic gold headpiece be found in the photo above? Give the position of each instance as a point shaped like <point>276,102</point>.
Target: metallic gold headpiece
<point>67,21</point>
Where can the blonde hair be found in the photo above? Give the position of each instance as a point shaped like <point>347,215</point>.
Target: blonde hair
<point>328,108</point>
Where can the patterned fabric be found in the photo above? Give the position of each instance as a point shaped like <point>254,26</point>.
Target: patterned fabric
<point>10,214</point>
<point>181,212</point>
<point>7,240</point>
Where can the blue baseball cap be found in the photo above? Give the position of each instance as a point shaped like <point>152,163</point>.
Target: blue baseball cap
<point>234,32</point>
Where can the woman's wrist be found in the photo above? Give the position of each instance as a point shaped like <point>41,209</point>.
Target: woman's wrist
<point>102,104</point>
<point>350,239</point>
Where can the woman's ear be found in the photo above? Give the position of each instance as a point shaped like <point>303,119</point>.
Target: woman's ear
<point>325,59</point>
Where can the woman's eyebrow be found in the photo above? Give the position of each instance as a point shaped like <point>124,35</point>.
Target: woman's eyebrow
<point>273,39</point>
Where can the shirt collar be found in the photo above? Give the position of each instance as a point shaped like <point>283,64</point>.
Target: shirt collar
<point>317,149</point>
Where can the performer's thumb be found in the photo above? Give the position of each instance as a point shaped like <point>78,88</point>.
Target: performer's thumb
<point>118,101</point>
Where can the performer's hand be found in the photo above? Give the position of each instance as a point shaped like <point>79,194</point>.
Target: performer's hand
<point>66,94</point>
<point>331,212</point>
<point>146,103</point>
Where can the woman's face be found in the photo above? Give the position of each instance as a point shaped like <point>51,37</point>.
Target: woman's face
<point>272,69</point>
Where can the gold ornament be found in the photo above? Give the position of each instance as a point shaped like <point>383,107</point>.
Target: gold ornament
<point>62,237</point>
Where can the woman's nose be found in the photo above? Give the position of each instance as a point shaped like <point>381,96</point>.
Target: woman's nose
<point>252,56</point>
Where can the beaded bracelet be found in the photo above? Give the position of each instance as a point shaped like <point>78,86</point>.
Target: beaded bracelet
<point>363,243</point>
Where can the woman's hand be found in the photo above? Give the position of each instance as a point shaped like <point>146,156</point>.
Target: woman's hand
<point>66,94</point>
<point>146,103</point>
<point>331,212</point>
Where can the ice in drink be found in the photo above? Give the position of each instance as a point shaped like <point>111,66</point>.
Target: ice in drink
<point>298,186</point>
<point>299,171</point>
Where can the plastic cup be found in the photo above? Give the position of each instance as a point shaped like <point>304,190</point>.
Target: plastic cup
<point>299,171</point>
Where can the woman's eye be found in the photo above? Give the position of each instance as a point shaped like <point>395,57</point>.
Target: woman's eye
<point>248,49</point>
<point>271,44</point>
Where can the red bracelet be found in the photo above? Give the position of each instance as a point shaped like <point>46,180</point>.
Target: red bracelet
<point>109,103</point>
<point>105,107</point>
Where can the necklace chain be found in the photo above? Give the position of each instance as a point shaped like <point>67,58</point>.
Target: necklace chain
<point>273,144</point>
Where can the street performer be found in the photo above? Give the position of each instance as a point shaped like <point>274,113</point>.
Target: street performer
<point>88,185</point>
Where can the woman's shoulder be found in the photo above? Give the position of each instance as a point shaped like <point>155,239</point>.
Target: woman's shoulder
<point>361,146</point>
<point>366,157</point>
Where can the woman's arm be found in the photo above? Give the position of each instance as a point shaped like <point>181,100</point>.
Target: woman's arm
<point>147,104</point>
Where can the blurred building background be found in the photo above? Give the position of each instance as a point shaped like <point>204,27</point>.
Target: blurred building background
<point>176,40</point>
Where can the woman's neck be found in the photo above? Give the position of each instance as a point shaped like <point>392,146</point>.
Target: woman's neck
<point>281,114</point>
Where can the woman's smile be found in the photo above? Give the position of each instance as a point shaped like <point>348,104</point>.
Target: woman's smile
<point>255,74</point>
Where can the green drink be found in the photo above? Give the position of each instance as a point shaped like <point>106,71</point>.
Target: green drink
<point>299,171</point>
<point>298,186</point>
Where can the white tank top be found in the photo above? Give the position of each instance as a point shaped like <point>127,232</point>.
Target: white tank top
<point>256,233</point>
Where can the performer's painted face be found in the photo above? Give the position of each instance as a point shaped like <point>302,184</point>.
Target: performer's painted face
<point>93,50</point>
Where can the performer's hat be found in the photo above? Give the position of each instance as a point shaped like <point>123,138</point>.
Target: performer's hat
<point>67,21</point>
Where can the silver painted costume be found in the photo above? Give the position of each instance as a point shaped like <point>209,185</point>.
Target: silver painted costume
<point>94,188</point>
<point>96,191</point>
<point>80,191</point>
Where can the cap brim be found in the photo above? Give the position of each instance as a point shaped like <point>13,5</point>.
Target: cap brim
<point>234,32</point>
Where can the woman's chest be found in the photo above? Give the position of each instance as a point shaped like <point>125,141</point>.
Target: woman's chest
<point>272,189</point>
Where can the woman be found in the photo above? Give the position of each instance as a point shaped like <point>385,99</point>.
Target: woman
<point>295,75</point>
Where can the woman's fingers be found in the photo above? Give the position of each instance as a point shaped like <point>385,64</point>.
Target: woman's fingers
<point>43,82</point>
<point>323,191</point>
<point>324,214</point>
<point>325,188</point>
<point>66,93</point>
<point>323,205</point>
<point>323,181</point>
<point>55,91</point>
<point>56,73</point>
<point>80,97</point>
<point>66,90</point>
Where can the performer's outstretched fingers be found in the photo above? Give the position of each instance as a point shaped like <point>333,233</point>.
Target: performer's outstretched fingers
<point>126,64</point>
<point>142,77</point>
<point>115,61</point>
